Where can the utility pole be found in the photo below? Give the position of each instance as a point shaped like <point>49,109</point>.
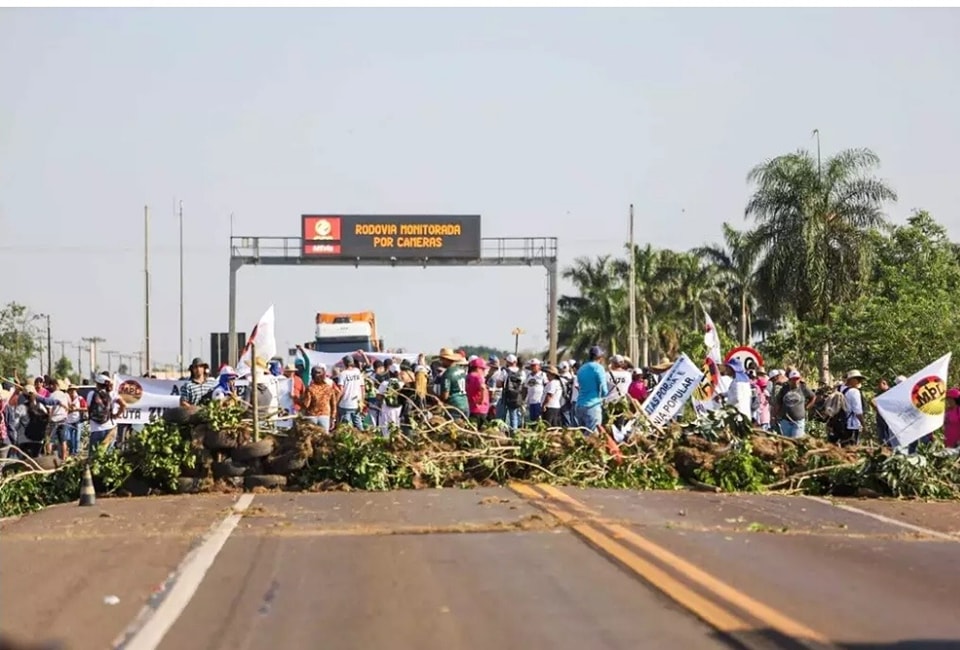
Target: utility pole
<point>146,282</point>
<point>49,347</point>
<point>181,289</point>
<point>110,354</point>
<point>816,133</point>
<point>632,343</point>
<point>63,347</point>
<point>80,351</point>
<point>92,341</point>
<point>139,356</point>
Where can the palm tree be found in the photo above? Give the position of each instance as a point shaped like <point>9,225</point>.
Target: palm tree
<point>734,265</point>
<point>811,234</point>
<point>597,313</point>
<point>653,291</point>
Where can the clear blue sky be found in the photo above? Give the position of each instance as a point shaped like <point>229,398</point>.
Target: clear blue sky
<point>546,122</point>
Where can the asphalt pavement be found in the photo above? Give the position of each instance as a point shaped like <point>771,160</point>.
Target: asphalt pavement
<point>519,567</point>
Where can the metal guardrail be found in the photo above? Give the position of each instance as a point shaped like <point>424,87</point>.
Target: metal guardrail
<point>492,249</point>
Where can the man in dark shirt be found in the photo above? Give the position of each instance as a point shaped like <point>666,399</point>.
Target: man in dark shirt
<point>793,400</point>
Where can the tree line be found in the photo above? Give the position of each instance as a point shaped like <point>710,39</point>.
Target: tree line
<point>818,278</point>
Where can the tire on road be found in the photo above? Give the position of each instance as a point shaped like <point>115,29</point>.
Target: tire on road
<point>228,469</point>
<point>217,440</point>
<point>188,485</point>
<point>251,450</point>
<point>286,463</point>
<point>269,481</point>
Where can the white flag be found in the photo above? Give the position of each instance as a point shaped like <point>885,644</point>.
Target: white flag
<point>915,407</point>
<point>264,337</point>
<point>673,391</point>
<point>711,339</point>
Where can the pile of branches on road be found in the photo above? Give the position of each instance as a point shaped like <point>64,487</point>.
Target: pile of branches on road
<point>213,449</point>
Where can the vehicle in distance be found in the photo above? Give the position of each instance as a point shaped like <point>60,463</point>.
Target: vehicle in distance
<point>347,333</point>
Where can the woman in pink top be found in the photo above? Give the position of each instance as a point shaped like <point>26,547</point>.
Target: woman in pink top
<point>638,387</point>
<point>478,395</point>
<point>951,419</point>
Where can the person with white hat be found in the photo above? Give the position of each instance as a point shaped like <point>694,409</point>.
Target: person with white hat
<point>854,412</point>
<point>103,410</point>
<point>793,401</point>
<point>226,385</point>
<point>534,386</point>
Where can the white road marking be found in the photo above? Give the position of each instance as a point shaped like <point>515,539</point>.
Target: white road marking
<point>887,520</point>
<point>158,616</point>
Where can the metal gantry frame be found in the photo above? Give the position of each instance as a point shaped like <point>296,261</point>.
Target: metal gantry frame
<point>494,251</point>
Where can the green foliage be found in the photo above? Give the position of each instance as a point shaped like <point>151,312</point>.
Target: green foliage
<point>18,339</point>
<point>63,369</point>
<point>225,415</point>
<point>158,452</point>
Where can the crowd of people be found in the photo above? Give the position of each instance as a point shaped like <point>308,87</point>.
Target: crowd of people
<point>47,415</point>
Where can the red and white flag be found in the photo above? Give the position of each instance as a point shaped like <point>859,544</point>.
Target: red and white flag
<point>265,339</point>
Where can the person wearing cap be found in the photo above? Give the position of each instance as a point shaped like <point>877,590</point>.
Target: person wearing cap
<point>199,385</point>
<point>853,398</point>
<point>738,393</point>
<point>618,379</point>
<point>57,431</point>
<point>793,401</point>
<point>510,381</point>
<point>533,390</point>
<point>638,386</point>
<point>570,389</point>
<point>76,413</point>
<point>553,398</point>
<point>478,394</point>
<point>352,394</point>
<point>104,409</point>
<point>291,372</point>
<point>493,390</point>
<point>592,380</point>
<point>776,379</point>
<point>226,385</point>
<point>761,393</point>
<point>453,384</point>
<point>319,401</point>
<point>302,363</point>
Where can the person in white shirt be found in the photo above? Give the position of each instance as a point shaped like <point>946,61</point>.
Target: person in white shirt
<point>738,393</point>
<point>853,404</point>
<point>76,413</point>
<point>620,379</point>
<point>568,380</point>
<point>351,393</point>
<point>533,385</point>
<point>391,402</point>
<point>57,408</point>
<point>553,398</point>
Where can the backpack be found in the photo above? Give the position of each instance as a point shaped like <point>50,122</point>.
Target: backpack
<point>99,407</point>
<point>835,408</point>
<point>392,396</point>
<point>512,390</point>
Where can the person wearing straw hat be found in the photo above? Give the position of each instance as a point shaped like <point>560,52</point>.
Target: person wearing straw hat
<point>76,414</point>
<point>553,397</point>
<point>853,405</point>
<point>57,430</point>
<point>297,387</point>
<point>453,384</point>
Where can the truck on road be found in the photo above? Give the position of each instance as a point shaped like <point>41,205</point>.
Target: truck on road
<point>347,333</point>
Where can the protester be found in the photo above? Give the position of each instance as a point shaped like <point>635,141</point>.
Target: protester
<point>199,384</point>
<point>951,419</point>
<point>793,400</point>
<point>57,434</point>
<point>103,410</point>
<point>553,398</point>
<point>854,411</point>
<point>297,387</point>
<point>351,393</point>
<point>762,396</point>
<point>319,401</point>
<point>533,388</point>
<point>511,380</point>
<point>226,388</point>
<point>618,378</point>
<point>478,394</point>
<point>738,393</point>
<point>592,380</point>
<point>569,382</point>
<point>391,402</point>
<point>453,384</point>
<point>76,414</point>
<point>638,386</point>
<point>883,429</point>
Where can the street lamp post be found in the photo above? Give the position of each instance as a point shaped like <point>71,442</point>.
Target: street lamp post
<point>517,331</point>
<point>181,289</point>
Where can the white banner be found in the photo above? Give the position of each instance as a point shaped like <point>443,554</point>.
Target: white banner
<point>673,391</point>
<point>915,407</point>
<point>264,338</point>
<point>147,399</point>
<point>330,359</point>
<point>711,339</point>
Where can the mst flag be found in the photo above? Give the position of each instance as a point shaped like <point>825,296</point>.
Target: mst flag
<point>264,338</point>
<point>915,407</point>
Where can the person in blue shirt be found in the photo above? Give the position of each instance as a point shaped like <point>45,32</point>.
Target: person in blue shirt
<point>592,379</point>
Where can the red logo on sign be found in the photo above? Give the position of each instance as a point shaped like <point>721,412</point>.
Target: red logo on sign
<point>321,235</point>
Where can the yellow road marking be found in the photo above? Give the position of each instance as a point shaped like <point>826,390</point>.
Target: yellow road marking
<point>765,614</point>
<point>714,615</point>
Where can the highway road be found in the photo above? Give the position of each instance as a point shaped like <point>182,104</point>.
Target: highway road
<point>516,567</point>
